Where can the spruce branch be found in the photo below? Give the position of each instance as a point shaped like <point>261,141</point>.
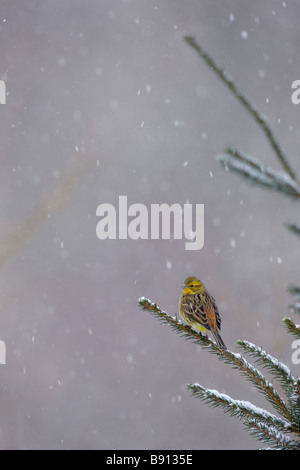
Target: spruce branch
<point>295,307</point>
<point>294,405</point>
<point>260,382</point>
<point>246,103</point>
<point>272,436</point>
<point>234,359</point>
<point>293,227</point>
<point>241,409</point>
<point>279,370</point>
<point>257,173</point>
<point>262,424</point>
<point>283,375</point>
<point>180,328</point>
<point>295,291</point>
<point>292,327</point>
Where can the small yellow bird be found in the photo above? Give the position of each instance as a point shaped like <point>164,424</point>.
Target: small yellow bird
<point>198,309</point>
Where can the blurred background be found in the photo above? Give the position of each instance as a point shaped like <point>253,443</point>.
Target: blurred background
<point>104,98</point>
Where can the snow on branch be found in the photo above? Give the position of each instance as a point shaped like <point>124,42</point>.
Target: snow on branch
<point>257,173</point>
<point>271,435</point>
<point>277,368</point>
<point>292,327</point>
<point>239,408</point>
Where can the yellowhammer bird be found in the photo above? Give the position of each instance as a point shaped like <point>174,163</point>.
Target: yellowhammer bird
<point>198,309</point>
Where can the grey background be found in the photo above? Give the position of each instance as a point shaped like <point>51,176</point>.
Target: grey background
<point>85,368</point>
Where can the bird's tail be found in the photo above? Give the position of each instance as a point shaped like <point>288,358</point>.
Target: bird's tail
<point>218,339</point>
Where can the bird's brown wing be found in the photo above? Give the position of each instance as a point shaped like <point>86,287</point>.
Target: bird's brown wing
<point>212,312</point>
<point>193,306</point>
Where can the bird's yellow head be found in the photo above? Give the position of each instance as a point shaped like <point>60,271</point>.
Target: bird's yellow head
<point>192,285</point>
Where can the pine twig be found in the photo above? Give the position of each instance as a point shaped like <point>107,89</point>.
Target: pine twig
<point>258,117</point>
<point>239,408</point>
<point>292,327</point>
<point>283,374</point>
<point>277,368</point>
<point>293,227</point>
<point>271,435</point>
<point>262,424</point>
<point>294,290</point>
<point>294,406</point>
<point>295,307</point>
<point>180,328</point>
<point>257,173</point>
<point>235,360</point>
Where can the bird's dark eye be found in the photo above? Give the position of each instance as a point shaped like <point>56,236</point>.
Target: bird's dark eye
<point>192,285</point>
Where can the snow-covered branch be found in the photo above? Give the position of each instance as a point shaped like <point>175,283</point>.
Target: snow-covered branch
<point>257,173</point>
<point>264,425</point>
<point>247,104</point>
<point>239,408</point>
